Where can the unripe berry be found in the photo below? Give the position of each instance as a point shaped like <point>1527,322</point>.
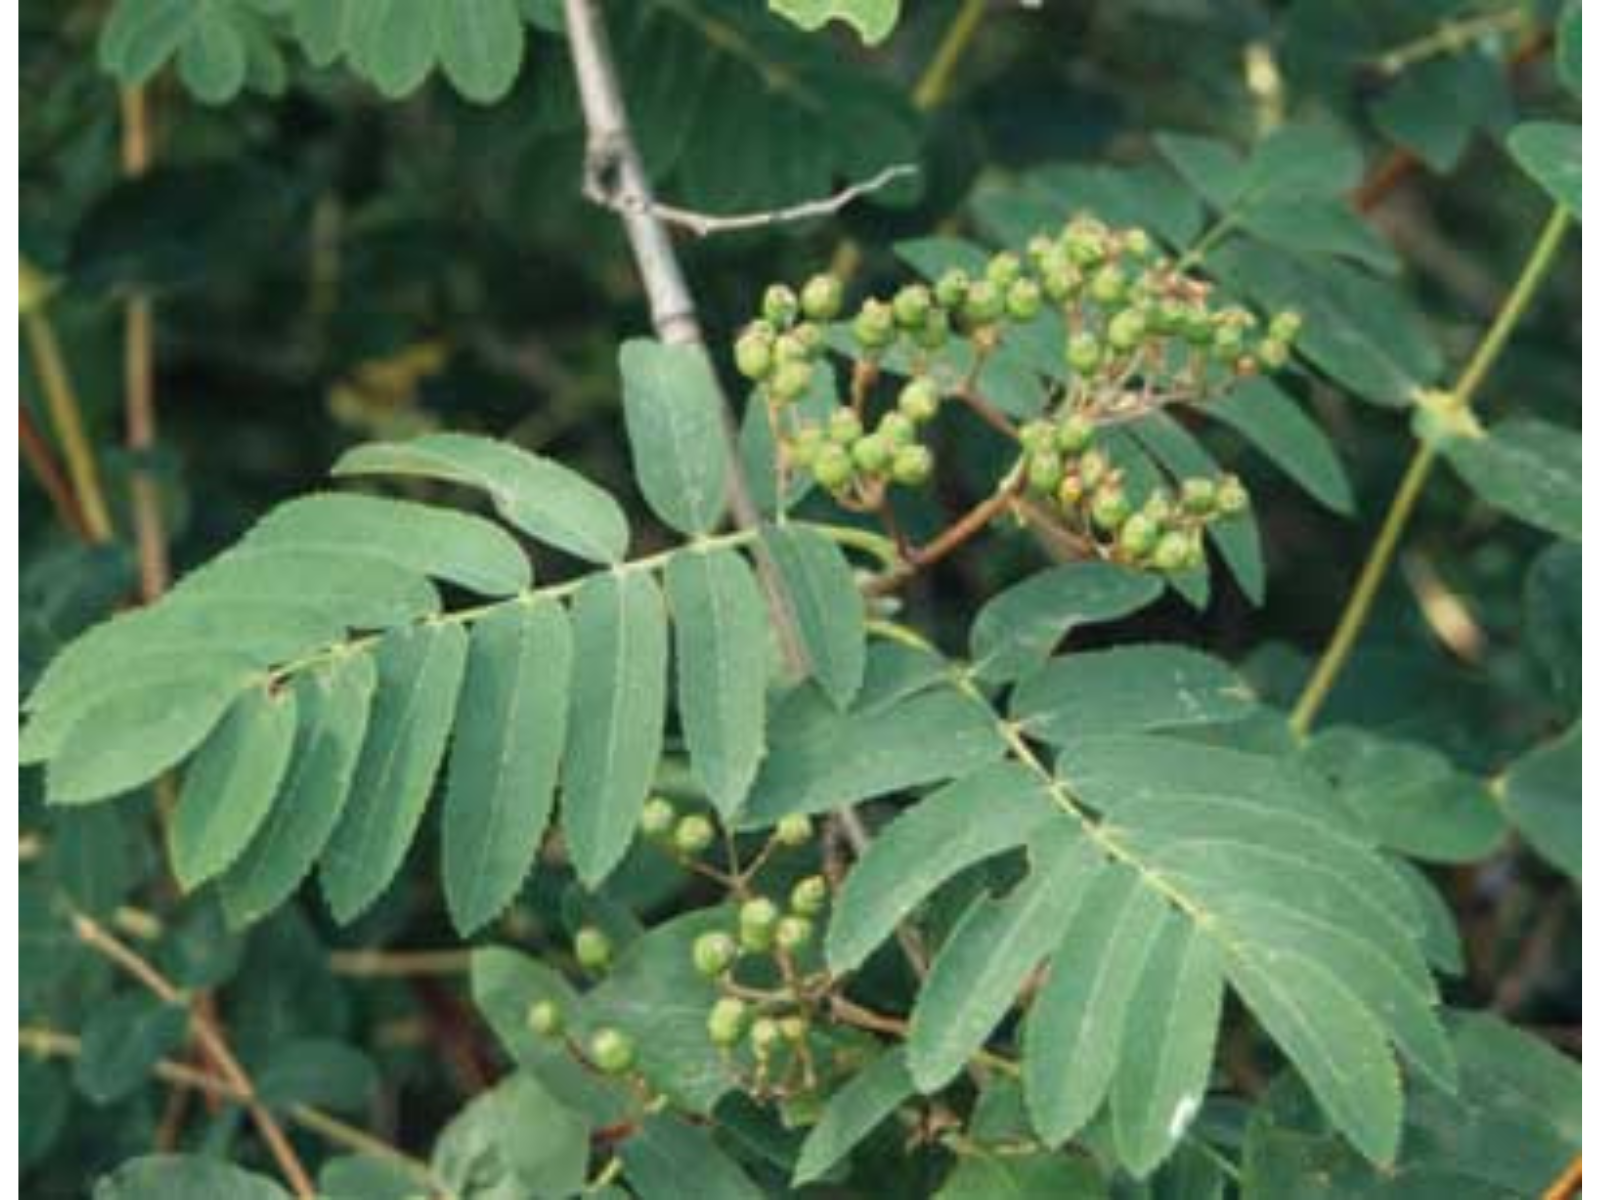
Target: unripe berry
<point>794,933</point>
<point>1272,353</point>
<point>1231,496</point>
<point>1083,353</point>
<point>765,1035</point>
<point>611,1051</point>
<point>593,949</point>
<point>844,426</point>
<point>1171,552</point>
<point>913,465</point>
<point>791,347</point>
<point>1136,242</point>
<point>833,467</point>
<point>725,1022</point>
<point>1109,508</point>
<point>714,953</point>
<point>1024,300</point>
<point>874,325</point>
<point>803,448</point>
<point>694,835</point>
<point>1061,279</point>
<point>1138,536</point>
<point>794,1027</point>
<point>544,1018</point>
<point>810,896</point>
<point>780,305</point>
<point>1084,241</point>
<point>1158,506</point>
<point>758,922</point>
<point>1074,434</point>
<point>1071,492</point>
<point>872,453</point>
<point>1109,286</point>
<point>752,355</point>
<point>935,330</point>
<point>898,428</point>
<point>1126,330</point>
<point>822,297</point>
<point>1199,497</point>
<point>1284,326</point>
<point>657,817</point>
<point>951,288</point>
<point>793,830</point>
<point>984,303</point>
<point>790,381</point>
<point>1227,342</point>
<point>919,400</point>
<point>1003,269</point>
<point>1044,471</point>
<point>1036,436</point>
<point>912,304</point>
<point>1093,468</point>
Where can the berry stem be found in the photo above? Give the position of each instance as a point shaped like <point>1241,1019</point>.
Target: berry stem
<point>1353,619</point>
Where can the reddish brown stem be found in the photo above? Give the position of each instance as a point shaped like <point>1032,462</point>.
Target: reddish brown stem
<point>36,452</point>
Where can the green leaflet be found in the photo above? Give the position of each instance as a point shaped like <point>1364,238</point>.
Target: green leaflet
<point>230,785</point>
<point>518,1135</point>
<point>184,1177</point>
<point>826,605</point>
<point>1527,468</point>
<point>669,1159</point>
<point>544,499</point>
<point>1074,1031</point>
<point>333,706</point>
<point>1017,629</point>
<point>1551,152</point>
<point>419,677</point>
<point>845,757</point>
<point>852,1113</point>
<point>618,710</point>
<point>345,586</point>
<point>720,620</point>
<point>123,1040</point>
<point>1167,1041</point>
<point>977,973</point>
<point>1543,793</point>
<point>672,407</point>
<point>133,735</point>
<point>1126,690</point>
<point>393,43</point>
<point>480,47</point>
<point>1030,1177</point>
<point>511,724</point>
<point>994,809</point>
<point>448,545</point>
<point>1259,411</point>
<point>872,19</point>
<point>324,1072</point>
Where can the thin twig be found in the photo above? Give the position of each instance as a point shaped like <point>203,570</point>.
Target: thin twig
<point>1569,1183</point>
<point>36,452</point>
<point>600,186</point>
<point>66,420</point>
<point>398,964</point>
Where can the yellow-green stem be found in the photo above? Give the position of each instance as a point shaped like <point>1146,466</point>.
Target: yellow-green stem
<point>1359,606</point>
<point>66,417</point>
<point>934,84</point>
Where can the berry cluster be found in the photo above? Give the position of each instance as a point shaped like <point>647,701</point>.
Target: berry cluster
<point>1137,333</point>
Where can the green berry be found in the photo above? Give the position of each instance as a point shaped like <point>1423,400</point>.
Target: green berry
<point>1227,342</point>
<point>545,1019</point>
<point>794,933</point>
<point>790,381</point>
<point>794,1027</point>
<point>872,453</point>
<point>1231,496</point>
<point>780,305</point>
<point>593,949</point>
<point>1071,491</point>
<point>792,348</point>
<point>1199,497</point>
<point>1093,467</point>
<point>803,448</point>
<point>1083,353</point>
<point>898,428</point>
<point>1284,326</point>
<point>1136,243</point>
<point>694,835</point>
<point>758,923</point>
<point>1044,471</point>
<point>1158,506</point>
<point>1074,434</point>
<point>714,953</point>
<point>912,466</point>
<point>844,426</point>
<point>793,830</point>
<point>1138,536</point>
<point>725,1022</point>
<point>874,325</point>
<point>1109,508</point>
<point>1085,241</point>
<point>1171,552</point>
<point>1036,436</point>
<point>611,1050</point>
<point>833,467</point>
<point>765,1034</point>
<point>951,288</point>
<point>1126,330</point>
<point>752,355</point>
<point>1274,354</point>
<point>912,304</point>
<point>657,817</point>
<point>822,297</point>
<point>935,331</point>
<point>810,896</point>
<point>1108,286</point>
<point>919,400</point>
<point>1024,300</point>
<point>1003,269</point>
<point>1061,279</point>
<point>984,303</point>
